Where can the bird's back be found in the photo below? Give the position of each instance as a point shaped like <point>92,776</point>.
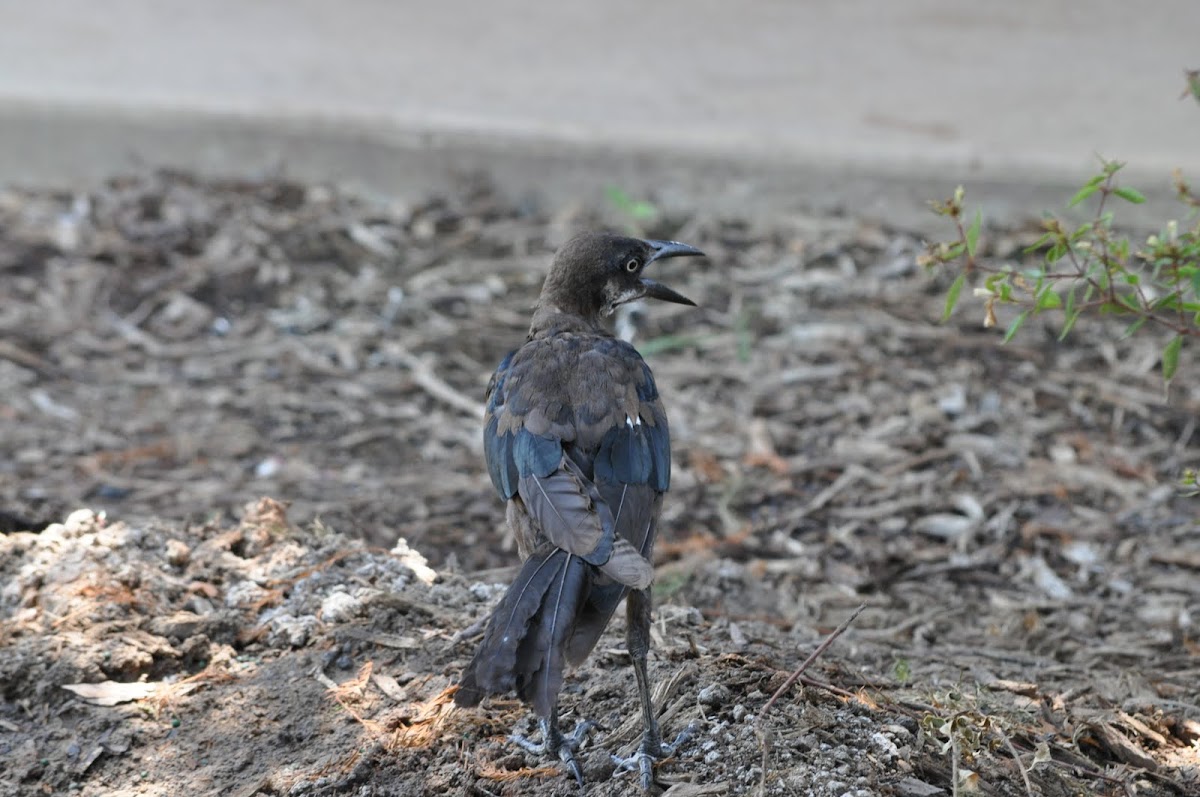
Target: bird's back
<point>590,399</point>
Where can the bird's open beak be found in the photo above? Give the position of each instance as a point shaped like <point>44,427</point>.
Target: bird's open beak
<point>662,250</point>
<point>656,290</point>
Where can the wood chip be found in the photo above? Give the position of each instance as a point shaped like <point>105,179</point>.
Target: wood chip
<point>110,693</point>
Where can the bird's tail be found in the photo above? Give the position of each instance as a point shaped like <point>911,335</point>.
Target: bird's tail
<point>523,648</point>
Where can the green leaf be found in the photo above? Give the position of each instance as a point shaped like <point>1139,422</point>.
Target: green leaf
<point>618,198</point>
<point>952,296</point>
<point>1130,194</point>
<point>1120,249</point>
<point>1169,302</point>
<point>1193,82</point>
<point>1134,327</point>
<point>1039,243</point>
<point>1068,324</point>
<point>1080,231</point>
<point>1170,357</point>
<point>1196,283</point>
<point>1015,325</point>
<point>639,210</point>
<point>1083,193</point>
<point>1049,299</point>
<point>973,233</point>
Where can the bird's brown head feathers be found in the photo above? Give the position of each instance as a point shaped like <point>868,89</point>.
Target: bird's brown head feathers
<point>595,273</point>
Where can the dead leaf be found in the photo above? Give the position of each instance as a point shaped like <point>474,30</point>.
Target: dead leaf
<point>110,693</point>
<point>1041,754</point>
<point>390,687</point>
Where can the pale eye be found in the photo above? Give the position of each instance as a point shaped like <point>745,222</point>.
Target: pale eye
<point>633,265</point>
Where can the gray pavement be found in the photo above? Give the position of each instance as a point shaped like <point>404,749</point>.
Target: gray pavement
<point>762,106</point>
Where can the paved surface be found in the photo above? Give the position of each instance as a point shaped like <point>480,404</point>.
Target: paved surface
<point>767,103</point>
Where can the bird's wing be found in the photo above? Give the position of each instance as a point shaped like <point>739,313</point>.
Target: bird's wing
<point>579,435</point>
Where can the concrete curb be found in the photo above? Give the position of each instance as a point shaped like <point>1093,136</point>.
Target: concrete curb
<point>46,144</point>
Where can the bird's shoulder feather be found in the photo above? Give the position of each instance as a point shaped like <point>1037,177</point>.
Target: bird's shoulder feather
<point>591,394</point>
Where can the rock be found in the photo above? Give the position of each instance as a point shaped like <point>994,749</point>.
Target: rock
<point>244,594</point>
<point>339,607</point>
<point>414,561</point>
<point>178,554</point>
<point>486,592</point>
<point>953,399</point>
<point>290,631</point>
<point>714,695</point>
<point>884,744</point>
<point>82,521</point>
<point>598,766</point>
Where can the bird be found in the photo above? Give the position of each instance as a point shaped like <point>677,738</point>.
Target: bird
<point>577,445</point>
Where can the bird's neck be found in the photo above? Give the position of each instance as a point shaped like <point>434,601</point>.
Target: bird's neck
<point>549,319</point>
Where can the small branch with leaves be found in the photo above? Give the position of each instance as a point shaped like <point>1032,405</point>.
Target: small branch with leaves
<point>1088,267</point>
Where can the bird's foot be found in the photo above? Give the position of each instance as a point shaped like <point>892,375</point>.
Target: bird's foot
<point>555,743</point>
<point>652,749</point>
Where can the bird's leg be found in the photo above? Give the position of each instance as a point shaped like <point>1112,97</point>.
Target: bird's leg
<point>554,743</point>
<point>637,638</point>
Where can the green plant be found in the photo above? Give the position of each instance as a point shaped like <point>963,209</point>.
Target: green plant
<point>637,213</point>
<point>1191,483</point>
<point>1193,84</point>
<point>1087,267</point>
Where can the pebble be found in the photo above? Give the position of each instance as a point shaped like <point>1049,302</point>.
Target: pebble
<point>338,607</point>
<point>486,592</point>
<point>244,593</point>
<point>885,745</point>
<point>290,631</point>
<point>714,695</point>
<point>178,553</point>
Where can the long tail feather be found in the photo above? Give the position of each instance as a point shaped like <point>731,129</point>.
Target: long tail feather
<point>493,668</point>
<point>541,657</point>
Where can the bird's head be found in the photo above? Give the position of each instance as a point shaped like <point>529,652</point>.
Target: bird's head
<point>595,273</point>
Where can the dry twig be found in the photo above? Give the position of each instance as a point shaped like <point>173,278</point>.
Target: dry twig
<point>759,728</point>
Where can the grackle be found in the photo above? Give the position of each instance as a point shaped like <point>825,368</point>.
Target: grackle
<point>577,444</point>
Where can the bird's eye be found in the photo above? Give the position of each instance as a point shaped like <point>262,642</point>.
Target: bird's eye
<point>633,265</point>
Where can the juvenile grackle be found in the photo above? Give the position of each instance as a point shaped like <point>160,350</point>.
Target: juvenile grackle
<point>576,442</point>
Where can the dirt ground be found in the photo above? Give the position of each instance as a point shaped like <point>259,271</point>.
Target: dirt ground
<point>173,351</point>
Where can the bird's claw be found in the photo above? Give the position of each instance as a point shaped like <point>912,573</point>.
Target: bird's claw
<point>648,752</point>
<point>555,743</point>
